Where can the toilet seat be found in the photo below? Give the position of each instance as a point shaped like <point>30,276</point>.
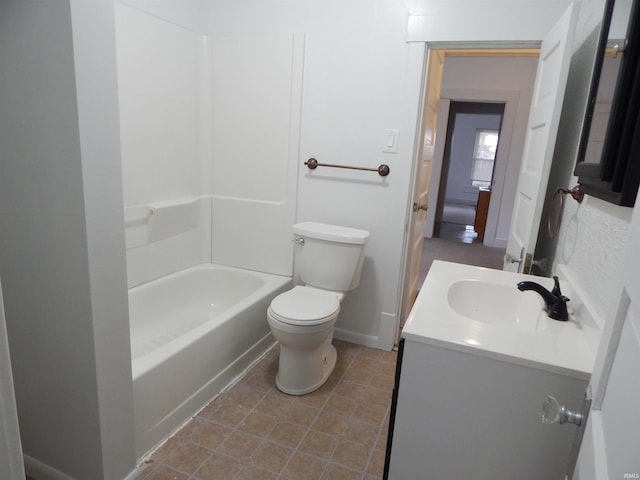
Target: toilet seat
<point>305,306</point>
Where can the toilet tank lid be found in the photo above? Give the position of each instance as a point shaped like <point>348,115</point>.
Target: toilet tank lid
<point>332,233</point>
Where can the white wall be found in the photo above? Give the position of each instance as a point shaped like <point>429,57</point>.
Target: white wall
<point>62,256</point>
<point>255,87</point>
<point>207,116</point>
<point>11,462</point>
<point>593,234</point>
<point>359,80</point>
<point>159,88</point>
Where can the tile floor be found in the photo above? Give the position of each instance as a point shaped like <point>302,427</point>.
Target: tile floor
<point>253,431</point>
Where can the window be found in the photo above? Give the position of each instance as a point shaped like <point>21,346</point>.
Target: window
<point>484,154</point>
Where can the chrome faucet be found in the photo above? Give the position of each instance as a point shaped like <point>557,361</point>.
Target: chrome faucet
<point>555,303</point>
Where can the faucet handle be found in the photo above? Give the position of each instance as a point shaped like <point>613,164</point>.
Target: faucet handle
<point>556,287</point>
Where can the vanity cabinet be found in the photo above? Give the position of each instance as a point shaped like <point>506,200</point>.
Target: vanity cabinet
<point>458,415</point>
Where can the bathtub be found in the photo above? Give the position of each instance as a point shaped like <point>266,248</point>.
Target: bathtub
<point>192,333</point>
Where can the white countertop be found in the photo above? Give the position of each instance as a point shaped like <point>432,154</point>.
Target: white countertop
<point>568,347</point>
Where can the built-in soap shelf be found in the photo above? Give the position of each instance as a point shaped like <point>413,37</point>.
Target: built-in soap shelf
<point>165,237</point>
<point>153,222</point>
<point>137,214</point>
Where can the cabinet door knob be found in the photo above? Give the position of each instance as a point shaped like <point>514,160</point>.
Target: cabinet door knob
<point>553,412</point>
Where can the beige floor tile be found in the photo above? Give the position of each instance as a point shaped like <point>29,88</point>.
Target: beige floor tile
<point>376,463</point>
<point>390,357</point>
<point>361,432</point>
<point>340,405</point>
<point>239,445</point>
<point>302,414</point>
<point>271,456</point>
<point>219,467</point>
<point>257,424</point>
<point>372,353</point>
<point>184,434</point>
<point>351,390</point>
<point>159,472</point>
<point>318,444</point>
<point>351,455</point>
<point>358,375</point>
<point>304,467</point>
<point>288,434</point>
<point>255,473</point>
<point>243,396</point>
<point>342,363</point>
<point>260,381</point>
<point>255,432</point>
<point>370,413</point>
<point>338,472</point>
<point>347,347</point>
<point>210,435</point>
<point>364,363</point>
<point>187,457</point>
<point>211,406</point>
<point>381,442</point>
<point>330,423</point>
<point>275,405</point>
<point>315,399</point>
<point>386,368</point>
<point>229,415</point>
<point>379,396</point>
<point>382,381</point>
<point>166,448</point>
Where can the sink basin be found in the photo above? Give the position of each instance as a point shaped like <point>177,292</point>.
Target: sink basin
<point>481,311</point>
<point>496,304</point>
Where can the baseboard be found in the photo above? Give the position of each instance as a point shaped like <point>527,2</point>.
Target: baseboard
<point>37,469</point>
<point>500,243</point>
<point>357,338</point>
<point>41,471</point>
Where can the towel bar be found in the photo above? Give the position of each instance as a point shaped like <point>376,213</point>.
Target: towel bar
<point>383,170</point>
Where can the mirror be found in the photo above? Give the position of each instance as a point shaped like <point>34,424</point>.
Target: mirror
<point>612,119</point>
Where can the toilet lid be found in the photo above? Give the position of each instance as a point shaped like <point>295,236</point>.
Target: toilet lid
<point>305,306</point>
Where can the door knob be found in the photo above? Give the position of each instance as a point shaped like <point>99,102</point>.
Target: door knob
<point>553,412</point>
<point>417,207</point>
<point>509,258</point>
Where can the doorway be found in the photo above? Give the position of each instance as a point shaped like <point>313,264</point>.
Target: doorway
<point>495,76</point>
<point>470,150</point>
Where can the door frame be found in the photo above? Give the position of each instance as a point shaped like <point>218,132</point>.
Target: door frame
<point>418,63</point>
<point>510,98</point>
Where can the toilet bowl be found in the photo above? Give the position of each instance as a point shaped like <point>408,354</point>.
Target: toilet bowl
<point>328,262</point>
<point>302,322</point>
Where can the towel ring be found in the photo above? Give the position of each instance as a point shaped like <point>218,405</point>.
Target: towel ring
<point>577,195</point>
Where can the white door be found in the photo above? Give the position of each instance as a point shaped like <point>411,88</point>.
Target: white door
<point>424,154</point>
<point>11,462</point>
<point>611,444</point>
<point>546,104</point>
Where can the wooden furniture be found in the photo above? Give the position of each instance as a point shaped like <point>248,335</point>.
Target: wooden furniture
<point>482,210</point>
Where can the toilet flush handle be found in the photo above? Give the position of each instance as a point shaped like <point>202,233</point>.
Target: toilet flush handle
<point>298,241</point>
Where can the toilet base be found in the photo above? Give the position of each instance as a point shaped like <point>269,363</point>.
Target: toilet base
<point>318,370</point>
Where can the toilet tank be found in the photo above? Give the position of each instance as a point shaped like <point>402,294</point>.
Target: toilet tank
<point>329,256</point>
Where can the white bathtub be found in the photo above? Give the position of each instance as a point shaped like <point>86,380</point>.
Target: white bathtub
<point>192,332</point>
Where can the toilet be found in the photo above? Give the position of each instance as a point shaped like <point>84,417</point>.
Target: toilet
<point>328,261</point>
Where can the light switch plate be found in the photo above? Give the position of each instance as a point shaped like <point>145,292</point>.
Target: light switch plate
<point>391,140</point>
